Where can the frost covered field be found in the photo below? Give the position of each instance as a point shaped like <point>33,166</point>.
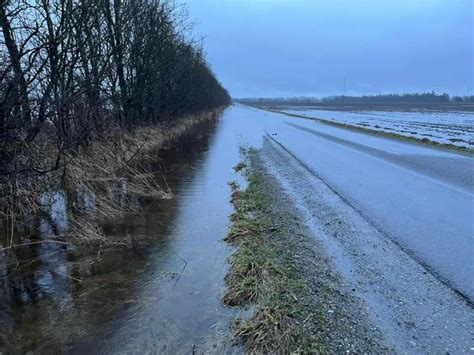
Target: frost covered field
<point>450,127</point>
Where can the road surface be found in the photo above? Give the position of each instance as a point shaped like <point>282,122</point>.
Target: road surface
<point>395,218</point>
<point>421,198</point>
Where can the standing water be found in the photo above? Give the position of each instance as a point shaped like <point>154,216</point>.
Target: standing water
<point>161,294</point>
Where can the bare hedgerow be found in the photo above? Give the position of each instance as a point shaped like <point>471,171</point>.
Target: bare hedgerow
<point>87,88</point>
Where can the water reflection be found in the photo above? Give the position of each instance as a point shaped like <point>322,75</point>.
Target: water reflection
<point>161,293</point>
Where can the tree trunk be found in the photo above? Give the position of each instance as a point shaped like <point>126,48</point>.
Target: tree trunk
<point>16,65</point>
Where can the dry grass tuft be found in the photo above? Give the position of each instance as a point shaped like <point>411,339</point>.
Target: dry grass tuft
<point>143,183</point>
<point>109,200</point>
<point>86,232</point>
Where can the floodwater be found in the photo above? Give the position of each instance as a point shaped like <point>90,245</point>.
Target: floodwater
<point>161,294</point>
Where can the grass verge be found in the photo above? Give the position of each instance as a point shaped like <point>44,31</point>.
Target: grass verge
<point>263,272</point>
<point>423,141</point>
<point>282,274</point>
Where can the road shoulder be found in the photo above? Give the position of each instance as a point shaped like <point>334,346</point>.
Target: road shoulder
<point>299,301</point>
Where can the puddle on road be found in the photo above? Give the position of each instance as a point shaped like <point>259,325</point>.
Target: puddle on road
<point>162,294</point>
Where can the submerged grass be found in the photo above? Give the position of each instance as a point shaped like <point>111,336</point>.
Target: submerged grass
<point>424,141</point>
<point>263,272</point>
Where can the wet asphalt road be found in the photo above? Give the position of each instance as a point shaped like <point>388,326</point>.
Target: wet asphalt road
<point>420,198</point>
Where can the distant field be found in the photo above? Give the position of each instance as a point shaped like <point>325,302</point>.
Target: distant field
<point>445,127</point>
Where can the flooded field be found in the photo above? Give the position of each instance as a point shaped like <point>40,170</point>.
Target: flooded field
<point>456,128</point>
<point>162,292</point>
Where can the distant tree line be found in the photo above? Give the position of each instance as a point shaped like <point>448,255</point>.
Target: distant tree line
<point>424,98</point>
<point>427,97</point>
<point>72,69</point>
<point>462,98</point>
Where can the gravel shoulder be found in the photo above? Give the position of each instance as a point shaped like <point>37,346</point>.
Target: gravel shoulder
<point>381,285</point>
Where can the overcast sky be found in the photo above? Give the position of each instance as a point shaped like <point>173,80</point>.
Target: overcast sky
<point>307,47</point>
